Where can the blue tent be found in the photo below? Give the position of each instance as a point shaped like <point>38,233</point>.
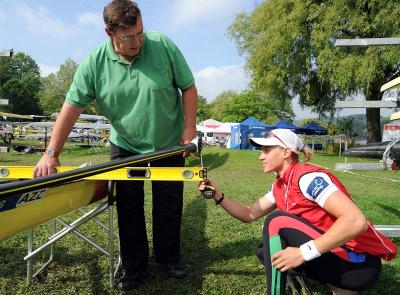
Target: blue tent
<point>284,124</point>
<point>314,128</point>
<point>287,125</point>
<point>242,132</point>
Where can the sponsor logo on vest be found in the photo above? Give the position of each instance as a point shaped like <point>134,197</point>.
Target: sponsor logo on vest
<point>2,203</point>
<point>30,197</point>
<point>317,185</point>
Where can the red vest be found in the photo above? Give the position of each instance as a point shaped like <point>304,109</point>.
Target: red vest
<point>370,241</point>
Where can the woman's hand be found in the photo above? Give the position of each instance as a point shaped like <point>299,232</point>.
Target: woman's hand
<point>287,258</point>
<point>209,185</point>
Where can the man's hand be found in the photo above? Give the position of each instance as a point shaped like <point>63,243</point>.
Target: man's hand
<point>188,134</point>
<point>64,123</point>
<point>287,258</point>
<point>46,166</point>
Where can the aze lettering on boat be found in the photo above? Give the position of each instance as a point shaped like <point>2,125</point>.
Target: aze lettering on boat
<point>23,199</point>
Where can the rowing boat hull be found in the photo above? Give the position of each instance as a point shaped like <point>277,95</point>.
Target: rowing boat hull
<point>373,150</point>
<point>29,202</point>
<point>22,211</point>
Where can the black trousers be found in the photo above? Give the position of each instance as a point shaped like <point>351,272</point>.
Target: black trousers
<point>282,230</point>
<point>167,216</point>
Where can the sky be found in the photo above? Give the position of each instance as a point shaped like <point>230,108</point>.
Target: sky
<point>51,31</point>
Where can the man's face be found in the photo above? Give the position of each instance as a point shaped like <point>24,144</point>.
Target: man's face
<point>128,42</point>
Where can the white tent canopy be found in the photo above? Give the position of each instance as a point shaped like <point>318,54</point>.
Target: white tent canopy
<point>215,131</point>
<point>391,131</point>
<point>211,123</point>
<point>225,128</point>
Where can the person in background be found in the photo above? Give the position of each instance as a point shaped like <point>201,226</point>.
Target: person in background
<point>317,230</point>
<point>144,86</point>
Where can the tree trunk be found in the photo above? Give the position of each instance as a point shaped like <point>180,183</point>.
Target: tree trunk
<point>374,125</point>
<point>374,117</point>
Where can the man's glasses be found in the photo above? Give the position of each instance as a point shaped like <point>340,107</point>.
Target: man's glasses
<point>127,39</point>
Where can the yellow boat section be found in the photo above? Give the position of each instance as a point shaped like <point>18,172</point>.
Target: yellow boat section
<point>391,84</point>
<point>395,116</point>
<point>26,210</point>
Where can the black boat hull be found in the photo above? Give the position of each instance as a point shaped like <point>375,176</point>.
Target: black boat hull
<point>373,150</point>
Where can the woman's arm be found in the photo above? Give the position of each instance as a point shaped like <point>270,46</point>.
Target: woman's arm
<point>242,212</point>
<point>350,222</point>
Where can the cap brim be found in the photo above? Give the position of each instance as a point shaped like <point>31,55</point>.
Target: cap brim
<point>260,141</point>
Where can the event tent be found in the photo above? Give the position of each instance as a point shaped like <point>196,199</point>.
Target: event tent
<point>222,133</point>
<point>225,128</point>
<point>206,129</point>
<point>211,123</point>
<point>391,131</point>
<point>314,128</point>
<point>242,132</point>
<point>287,125</point>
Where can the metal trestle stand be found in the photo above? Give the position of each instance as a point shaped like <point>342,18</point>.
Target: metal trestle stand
<point>91,215</point>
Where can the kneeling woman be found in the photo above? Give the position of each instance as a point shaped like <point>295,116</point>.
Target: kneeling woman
<point>317,232</point>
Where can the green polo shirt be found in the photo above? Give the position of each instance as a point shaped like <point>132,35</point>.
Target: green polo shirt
<point>141,99</point>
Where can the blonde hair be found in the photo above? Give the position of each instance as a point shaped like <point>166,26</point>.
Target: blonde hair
<point>307,154</point>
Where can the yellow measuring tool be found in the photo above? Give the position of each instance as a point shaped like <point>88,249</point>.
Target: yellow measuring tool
<point>127,173</point>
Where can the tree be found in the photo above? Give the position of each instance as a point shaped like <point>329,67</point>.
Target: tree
<point>20,84</point>
<point>237,107</point>
<point>220,103</point>
<point>56,86</point>
<point>290,51</point>
<point>345,126</point>
<point>203,109</point>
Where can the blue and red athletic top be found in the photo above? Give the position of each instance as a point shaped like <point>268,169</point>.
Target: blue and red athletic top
<point>303,190</point>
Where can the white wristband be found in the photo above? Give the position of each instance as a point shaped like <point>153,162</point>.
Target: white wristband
<point>309,251</point>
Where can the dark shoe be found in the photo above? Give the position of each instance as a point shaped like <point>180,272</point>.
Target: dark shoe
<point>130,281</point>
<point>175,269</point>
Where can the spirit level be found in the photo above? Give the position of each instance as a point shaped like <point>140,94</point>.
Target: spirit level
<point>127,173</point>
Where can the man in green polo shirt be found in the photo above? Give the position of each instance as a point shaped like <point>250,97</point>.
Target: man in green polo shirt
<point>136,78</point>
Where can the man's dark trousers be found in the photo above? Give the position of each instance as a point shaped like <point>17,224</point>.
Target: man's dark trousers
<point>167,216</point>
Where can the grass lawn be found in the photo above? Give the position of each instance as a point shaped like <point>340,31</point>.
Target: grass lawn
<point>218,249</point>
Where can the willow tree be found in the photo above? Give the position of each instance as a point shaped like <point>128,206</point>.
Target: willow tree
<point>289,46</point>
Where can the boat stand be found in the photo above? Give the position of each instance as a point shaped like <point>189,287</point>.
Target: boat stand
<point>106,206</point>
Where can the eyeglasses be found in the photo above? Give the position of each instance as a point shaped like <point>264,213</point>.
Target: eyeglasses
<point>127,39</point>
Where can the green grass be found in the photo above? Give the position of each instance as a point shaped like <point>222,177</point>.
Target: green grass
<point>218,249</point>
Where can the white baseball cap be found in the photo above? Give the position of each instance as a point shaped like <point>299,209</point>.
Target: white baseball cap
<point>279,137</point>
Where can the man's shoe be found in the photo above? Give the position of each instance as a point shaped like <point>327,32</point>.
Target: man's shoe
<point>130,281</point>
<point>175,269</point>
